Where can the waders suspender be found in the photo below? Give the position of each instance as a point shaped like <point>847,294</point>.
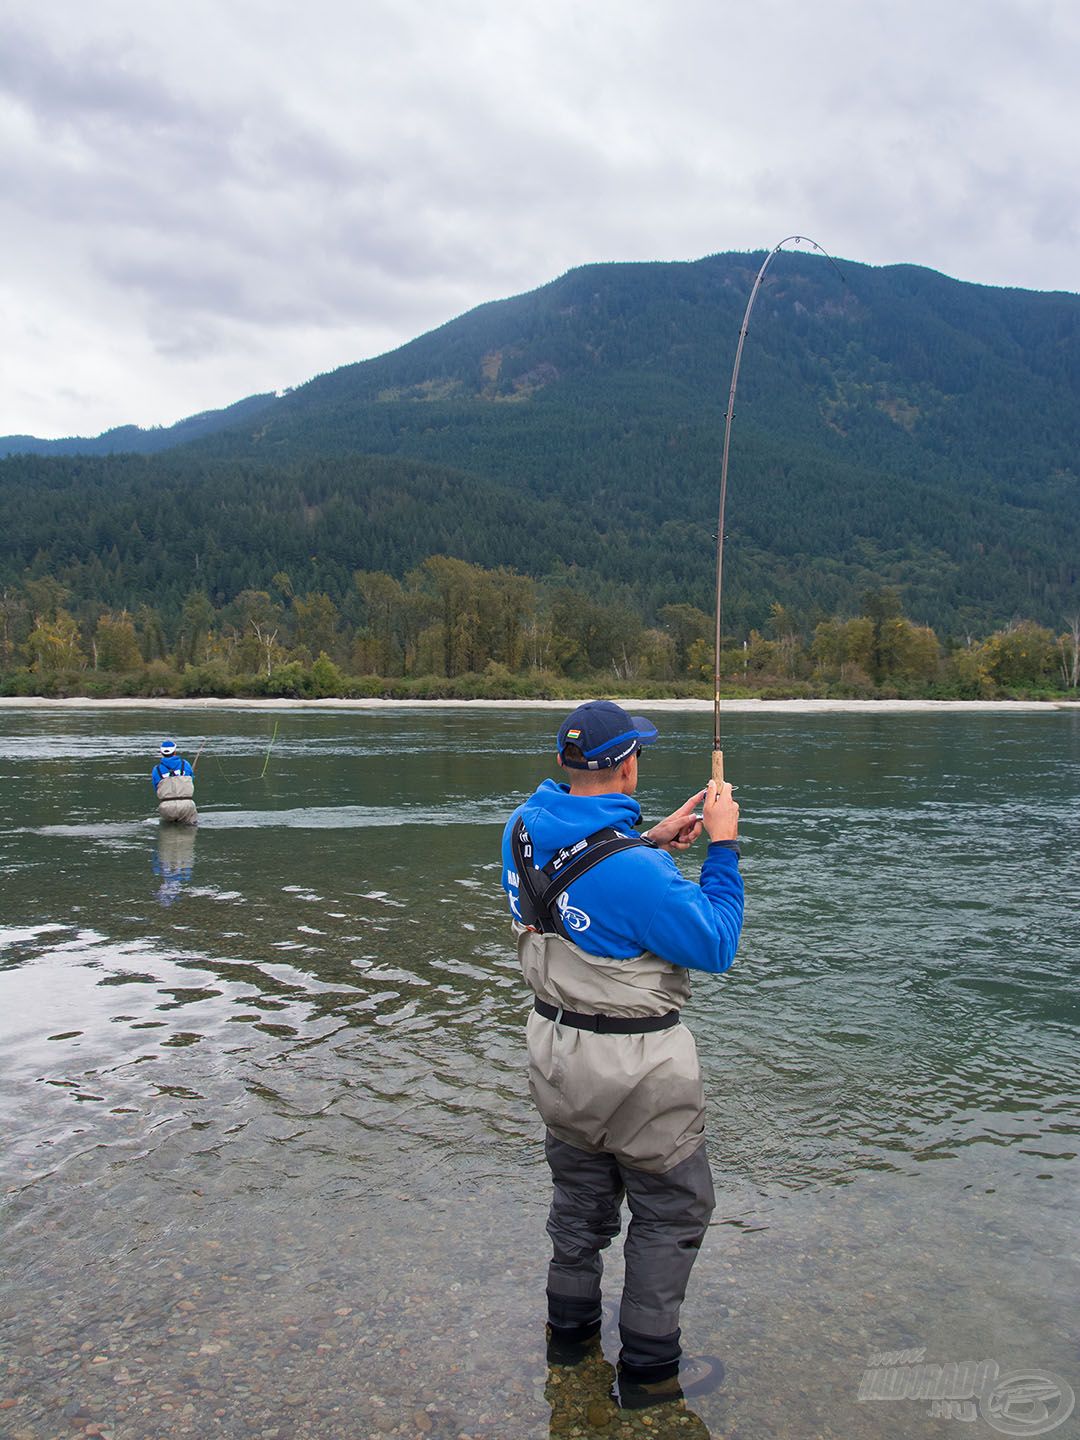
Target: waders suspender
<point>536,901</point>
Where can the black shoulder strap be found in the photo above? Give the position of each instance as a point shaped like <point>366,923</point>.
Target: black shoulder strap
<point>536,901</point>
<point>528,890</point>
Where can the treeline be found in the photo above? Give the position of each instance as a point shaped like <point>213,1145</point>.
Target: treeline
<point>900,429</point>
<point>454,628</point>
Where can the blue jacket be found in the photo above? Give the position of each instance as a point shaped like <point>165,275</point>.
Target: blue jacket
<point>170,765</point>
<point>638,899</point>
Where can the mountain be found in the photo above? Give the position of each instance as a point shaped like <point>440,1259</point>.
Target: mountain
<point>893,426</point>
<point>132,440</point>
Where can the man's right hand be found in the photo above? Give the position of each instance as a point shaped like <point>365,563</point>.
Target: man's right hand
<point>720,813</point>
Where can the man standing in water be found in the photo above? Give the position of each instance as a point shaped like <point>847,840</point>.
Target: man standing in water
<point>173,779</point>
<point>607,930</point>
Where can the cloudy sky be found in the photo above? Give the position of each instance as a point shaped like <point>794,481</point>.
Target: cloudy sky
<point>204,201</point>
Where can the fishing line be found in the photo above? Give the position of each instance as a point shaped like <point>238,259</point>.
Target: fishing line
<point>266,762</point>
<point>718,752</point>
<point>223,771</point>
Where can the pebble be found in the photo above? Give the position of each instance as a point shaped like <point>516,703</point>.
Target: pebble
<point>361,1342</point>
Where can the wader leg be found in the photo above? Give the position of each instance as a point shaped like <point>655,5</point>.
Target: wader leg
<point>670,1213</point>
<point>583,1220</point>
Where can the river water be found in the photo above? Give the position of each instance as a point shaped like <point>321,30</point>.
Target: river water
<point>270,1166</point>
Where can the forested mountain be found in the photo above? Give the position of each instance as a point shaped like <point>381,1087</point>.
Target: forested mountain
<point>132,440</point>
<point>893,427</point>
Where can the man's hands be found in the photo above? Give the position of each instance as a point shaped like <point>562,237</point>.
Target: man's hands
<point>720,813</point>
<point>719,816</point>
<point>681,828</point>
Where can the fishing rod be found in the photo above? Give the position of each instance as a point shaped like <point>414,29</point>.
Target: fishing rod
<point>718,752</point>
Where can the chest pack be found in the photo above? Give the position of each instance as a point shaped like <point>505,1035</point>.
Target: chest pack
<point>173,781</point>
<point>540,887</point>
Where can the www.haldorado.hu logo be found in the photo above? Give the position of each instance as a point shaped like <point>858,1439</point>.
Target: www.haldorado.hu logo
<point>1019,1402</point>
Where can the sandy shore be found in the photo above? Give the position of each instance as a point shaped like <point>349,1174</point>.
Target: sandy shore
<point>731,707</point>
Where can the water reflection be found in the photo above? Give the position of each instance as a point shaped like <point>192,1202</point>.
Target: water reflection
<point>173,862</point>
<point>292,1076</point>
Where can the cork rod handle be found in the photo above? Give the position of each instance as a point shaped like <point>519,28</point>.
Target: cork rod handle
<point>718,767</point>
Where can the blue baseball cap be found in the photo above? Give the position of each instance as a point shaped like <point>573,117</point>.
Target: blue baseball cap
<point>605,734</point>
<point>168,747</point>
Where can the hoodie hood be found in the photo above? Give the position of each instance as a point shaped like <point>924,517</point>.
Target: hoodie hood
<point>554,818</point>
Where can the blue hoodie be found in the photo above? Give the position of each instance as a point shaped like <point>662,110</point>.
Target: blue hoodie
<point>170,765</point>
<point>636,900</point>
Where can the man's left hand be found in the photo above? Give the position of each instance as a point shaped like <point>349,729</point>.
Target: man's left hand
<point>681,828</point>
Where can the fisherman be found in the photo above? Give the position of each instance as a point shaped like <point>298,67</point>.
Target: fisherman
<point>607,930</point>
<point>173,779</point>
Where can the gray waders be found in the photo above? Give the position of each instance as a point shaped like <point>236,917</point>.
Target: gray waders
<point>175,802</point>
<point>625,1114</point>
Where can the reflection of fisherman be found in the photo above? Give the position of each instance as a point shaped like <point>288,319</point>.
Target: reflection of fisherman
<point>173,780</point>
<point>174,861</point>
<point>607,929</point>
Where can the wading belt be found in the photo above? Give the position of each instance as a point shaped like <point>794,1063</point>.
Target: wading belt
<point>540,888</point>
<point>606,1024</point>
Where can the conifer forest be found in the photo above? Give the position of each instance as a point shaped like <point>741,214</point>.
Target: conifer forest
<point>523,502</point>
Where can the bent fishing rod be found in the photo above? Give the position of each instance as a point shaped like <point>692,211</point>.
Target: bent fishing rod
<point>718,752</point>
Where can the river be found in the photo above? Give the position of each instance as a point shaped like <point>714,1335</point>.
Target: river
<point>270,1165</point>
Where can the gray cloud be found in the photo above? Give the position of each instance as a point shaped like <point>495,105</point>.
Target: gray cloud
<point>205,202</point>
